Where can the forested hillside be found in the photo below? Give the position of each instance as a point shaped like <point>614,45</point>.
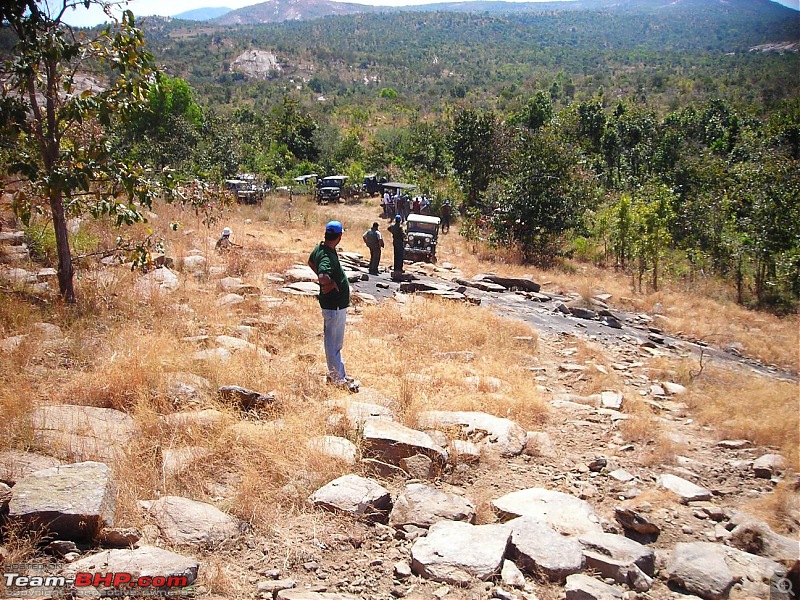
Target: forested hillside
<point>662,138</point>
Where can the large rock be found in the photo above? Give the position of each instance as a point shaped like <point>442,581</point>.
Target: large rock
<point>756,537</point>
<point>158,282</point>
<point>235,344</point>
<point>186,522</point>
<point>700,568</point>
<point>357,413</point>
<point>245,399</point>
<point>685,490</point>
<point>564,513</point>
<point>423,505</point>
<point>496,433</point>
<point>195,265</point>
<point>146,561</point>
<point>619,558</point>
<point>455,552</point>
<point>301,273</point>
<point>510,283</point>
<point>354,495</point>
<point>82,432</point>
<point>73,501</point>
<point>15,465</point>
<point>301,288</point>
<point>768,465</point>
<point>390,442</point>
<point>583,587</point>
<point>637,519</point>
<point>539,549</point>
<point>335,447</point>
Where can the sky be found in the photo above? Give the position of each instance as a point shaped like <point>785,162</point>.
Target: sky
<point>84,18</point>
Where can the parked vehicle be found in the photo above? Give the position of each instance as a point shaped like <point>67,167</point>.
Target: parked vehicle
<point>247,188</point>
<point>422,235</point>
<point>330,189</point>
<point>372,185</point>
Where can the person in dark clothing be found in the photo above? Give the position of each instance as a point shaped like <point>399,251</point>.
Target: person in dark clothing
<point>447,213</point>
<point>334,298</point>
<point>398,242</point>
<point>374,241</point>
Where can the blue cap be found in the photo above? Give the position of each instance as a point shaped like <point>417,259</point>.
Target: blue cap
<point>334,227</point>
<point>398,218</point>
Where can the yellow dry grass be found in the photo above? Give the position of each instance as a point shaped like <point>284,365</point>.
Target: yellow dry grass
<point>123,351</point>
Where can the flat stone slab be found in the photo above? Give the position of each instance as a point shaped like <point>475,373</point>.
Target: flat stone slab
<point>390,442</point>
<point>757,537</point>
<point>335,447</point>
<point>15,464</point>
<point>357,413</point>
<point>145,561</point>
<point>583,587</point>
<point>510,283</point>
<point>700,568</point>
<point>539,549</point>
<point>496,433</point>
<point>81,433</point>
<point>189,523</point>
<point>73,501</point>
<point>768,465</point>
<point>354,495</point>
<point>685,490</point>
<point>619,548</point>
<point>455,552</point>
<point>423,505</point>
<point>301,288</point>
<point>566,514</point>
<point>301,273</point>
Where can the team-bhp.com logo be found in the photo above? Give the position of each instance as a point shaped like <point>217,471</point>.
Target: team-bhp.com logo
<point>16,581</point>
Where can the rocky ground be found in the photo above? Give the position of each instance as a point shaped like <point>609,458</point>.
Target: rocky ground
<point>464,504</point>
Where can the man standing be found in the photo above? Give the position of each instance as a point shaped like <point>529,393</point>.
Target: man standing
<point>447,213</point>
<point>374,241</point>
<point>334,298</point>
<point>398,243</point>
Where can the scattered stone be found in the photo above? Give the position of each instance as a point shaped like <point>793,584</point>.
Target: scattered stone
<point>235,344</point>
<point>273,586</point>
<point>673,389</point>
<point>454,552</point>
<point>402,570</point>
<point>769,465</point>
<point>158,282</point>
<point>538,443</point>
<point>465,452</point>
<point>735,444</point>
<point>621,475</point>
<point>230,300</point>
<point>196,265</point>
<point>685,490</point>
<point>612,400</point>
<point>186,522</point>
<point>484,383</point>
<point>511,575</point>
<point>619,558</point>
<point>566,514</point>
<point>419,466</point>
<point>633,519</point>
<point>391,442</point>
<point>598,464</point>
<point>146,561</point>
<point>756,537</point>
<point>583,587</point>
<point>354,495</point>
<point>510,283</point>
<point>72,501</point>
<point>82,432</point>
<point>571,368</point>
<point>357,413</point>
<point>245,399</point>
<point>423,505</point>
<point>495,433</point>
<point>301,273</point>
<point>335,447</point>
<point>582,313</point>
<point>539,549</point>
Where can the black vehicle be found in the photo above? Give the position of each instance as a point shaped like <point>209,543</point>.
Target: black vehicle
<point>330,189</point>
<point>373,185</point>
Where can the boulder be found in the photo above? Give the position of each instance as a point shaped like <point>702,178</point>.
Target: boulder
<point>156,282</point>
<point>145,561</point>
<point>82,432</point>
<point>539,443</point>
<point>15,464</point>
<point>700,568</point>
<point>423,505</point>
<point>636,519</point>
<point>478,284</point>
<point>357,413</point>
<point>230,300</point>
<point>583,587</point>
<point>619,558</point>
<point>195,265</point>
<point>354,495</point>
<point>235,344</point>
<point>564,513</point>
<point>612,400</point>
<point>419,466</point>
<point>756,537</point>
<point>510,283</point>
<point>538,549</point>
<point>685,490</point>
<point>391,442</point>
<point>301,273</point>
<point>769,465</point>
<point>511,575</point>
<point>72,501</point>
<point>335,447</point>
<point>495,433</point>
<point>455,552</point>
<point>185,522</point>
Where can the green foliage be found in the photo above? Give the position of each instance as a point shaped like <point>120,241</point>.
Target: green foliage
<point>472,146</point>
<point>388,93</point>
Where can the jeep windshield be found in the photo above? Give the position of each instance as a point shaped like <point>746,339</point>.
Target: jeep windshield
<point>417,227</point>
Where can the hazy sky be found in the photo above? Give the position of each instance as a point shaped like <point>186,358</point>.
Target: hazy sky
<point>140,8</point>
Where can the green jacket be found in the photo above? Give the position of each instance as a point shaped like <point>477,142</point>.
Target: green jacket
<point>325,260</point>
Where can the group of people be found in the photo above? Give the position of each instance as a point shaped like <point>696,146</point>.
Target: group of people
<point>401,204</point>
<point>373,239</point>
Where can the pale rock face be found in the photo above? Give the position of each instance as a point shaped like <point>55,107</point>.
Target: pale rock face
<point>564,513</point>
<point>354,495</point>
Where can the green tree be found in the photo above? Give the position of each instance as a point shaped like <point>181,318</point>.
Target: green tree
<point>536,113</point>
<point>54,136</point>
<point>475,155</point>
<point>651,220</point>
<point>294,129</point>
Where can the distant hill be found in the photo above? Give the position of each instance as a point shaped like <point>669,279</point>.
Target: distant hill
<point>277,11</point>
<point>203,14</point>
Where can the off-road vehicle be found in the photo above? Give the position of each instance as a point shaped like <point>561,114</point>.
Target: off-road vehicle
<point>422,234</point>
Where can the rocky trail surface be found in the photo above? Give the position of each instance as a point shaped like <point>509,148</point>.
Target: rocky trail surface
<point>464,505</point>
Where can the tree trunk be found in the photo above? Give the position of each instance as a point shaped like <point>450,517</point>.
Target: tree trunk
<point>65,270</point>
